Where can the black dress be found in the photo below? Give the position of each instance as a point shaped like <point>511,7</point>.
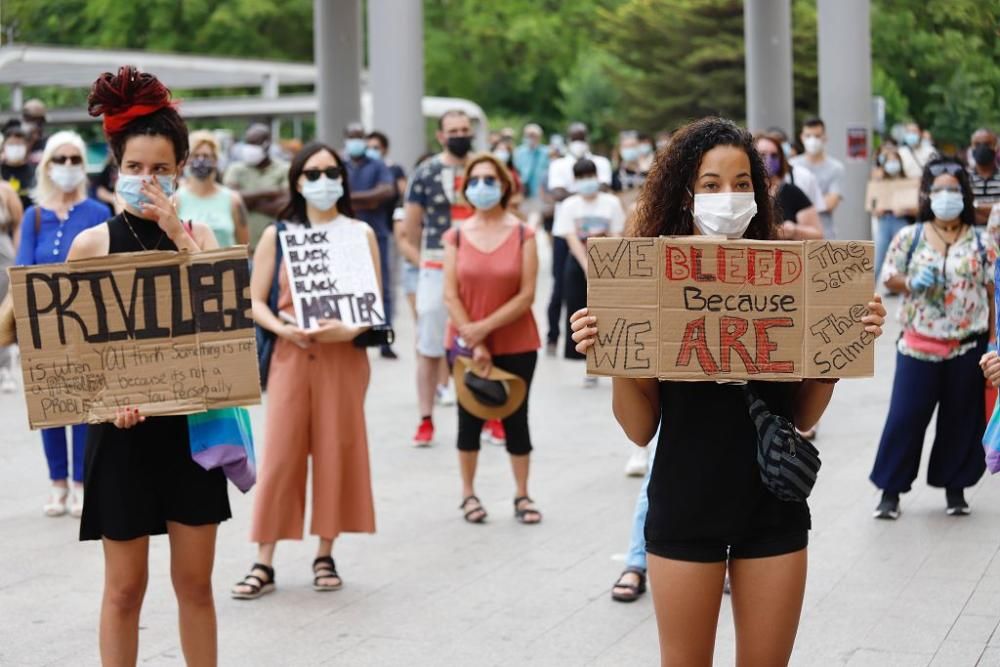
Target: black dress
<point>137,479</point>
<point>706,499</point>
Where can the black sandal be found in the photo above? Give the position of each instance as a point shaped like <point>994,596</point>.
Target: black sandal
<point>257,586</point>
<point>523,514</point>
<point>634,590</point>
<point>475,515</point>
<point>327,570</point>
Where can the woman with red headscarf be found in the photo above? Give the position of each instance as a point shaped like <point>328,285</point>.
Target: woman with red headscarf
<point>139,476</point>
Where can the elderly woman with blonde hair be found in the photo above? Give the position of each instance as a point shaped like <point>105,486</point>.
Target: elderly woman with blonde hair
<point>203,199</point>
<point>61,210</point>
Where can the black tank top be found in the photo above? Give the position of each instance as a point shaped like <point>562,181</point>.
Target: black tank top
<point>122,237</point>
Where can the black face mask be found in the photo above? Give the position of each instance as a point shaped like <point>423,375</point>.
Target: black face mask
<point>983,155</point>
<point>202,168</point>
<point>459,146</point>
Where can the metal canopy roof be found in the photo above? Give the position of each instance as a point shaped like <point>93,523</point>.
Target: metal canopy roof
<point>30,65</point>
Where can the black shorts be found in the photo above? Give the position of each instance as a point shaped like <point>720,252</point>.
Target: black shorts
<point>516,425</point>
<point>719,551</point>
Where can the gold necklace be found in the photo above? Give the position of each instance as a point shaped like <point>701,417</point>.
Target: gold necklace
<point>138,240</point>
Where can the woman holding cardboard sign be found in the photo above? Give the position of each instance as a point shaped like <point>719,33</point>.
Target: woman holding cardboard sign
<point>944,268</point>
<point>140,477</point>
<point>316,387</point>
<point>708,505</point>
<point>490,269</point>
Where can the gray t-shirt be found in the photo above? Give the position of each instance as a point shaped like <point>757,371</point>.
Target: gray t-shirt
<point>828,173</point>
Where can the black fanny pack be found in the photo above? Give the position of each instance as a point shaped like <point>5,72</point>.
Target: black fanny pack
<point>788,462</point>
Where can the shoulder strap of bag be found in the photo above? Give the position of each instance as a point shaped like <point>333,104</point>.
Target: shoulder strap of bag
<point>38,220</point>
<point>272,297</point>
<point>520,233</point>
<point>913,246</point>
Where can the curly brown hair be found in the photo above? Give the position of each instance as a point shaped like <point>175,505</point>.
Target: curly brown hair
<point>664,207</point>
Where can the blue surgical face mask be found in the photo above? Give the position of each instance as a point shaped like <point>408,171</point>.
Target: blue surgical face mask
<point>947,204</point>
<point>587,186</point>
<point>356,146</point>
<point>482,195</point>
<point>323,193</point>
<point>630,154</point>
<point>373,153</point>
<point>129,188</point>
<point>911,139</point>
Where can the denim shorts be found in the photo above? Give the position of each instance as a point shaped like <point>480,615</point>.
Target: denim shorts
<point>432,315</point>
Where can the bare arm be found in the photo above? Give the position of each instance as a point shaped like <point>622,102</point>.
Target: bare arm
<point>811,400</point>
<point>897,283</point>
<point>239,211</point>
<point>413,216</point>
<point>832,199</point>
<point>456,310</point>
<point>93,242</point>
<point>16,211</point>
<point>559,194</point>
<point>260,282</point>
<point>636,405</point>
<point>204,237</point>
<point>808,225</point>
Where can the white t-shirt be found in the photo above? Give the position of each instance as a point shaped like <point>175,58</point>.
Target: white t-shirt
<point>601,216</point>
<point>805,181</point>
<point>561,171</point>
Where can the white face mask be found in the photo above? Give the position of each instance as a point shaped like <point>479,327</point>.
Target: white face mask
<point>947,205</point>
<point>252,154</point>
<point>725,213</point>
<point>323,193</point>
<point>813,145</point>
<point>15,152</point>
<point>578,148</point>
<point>892,167</point>
<point>66,176</point>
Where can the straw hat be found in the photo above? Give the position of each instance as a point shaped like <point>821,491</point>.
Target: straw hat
<point>496,395</point>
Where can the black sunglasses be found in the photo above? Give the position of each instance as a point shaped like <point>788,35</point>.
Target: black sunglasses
<point>63,159</point>
<point>950,168</point>
<point>488,180</point>
<point>332,173</point>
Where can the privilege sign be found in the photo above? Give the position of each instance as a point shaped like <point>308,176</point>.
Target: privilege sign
<point>165,332</point>
<point>712,309</point>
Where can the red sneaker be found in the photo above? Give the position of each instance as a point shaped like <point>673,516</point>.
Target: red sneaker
<point>493,432</point>
<point>425,433</point>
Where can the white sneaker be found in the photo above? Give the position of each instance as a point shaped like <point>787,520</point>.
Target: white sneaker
<point>57,501</point>
<point>445,395</point>
<point>638,463</point>
<point>590,381</point>
<point>76,504</point>
<point>7,383</point>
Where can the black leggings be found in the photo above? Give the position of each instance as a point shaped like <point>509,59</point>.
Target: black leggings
<point>575,292</point>
<point>516,425</point>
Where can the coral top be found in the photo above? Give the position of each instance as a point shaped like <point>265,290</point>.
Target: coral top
<point>488,280</point>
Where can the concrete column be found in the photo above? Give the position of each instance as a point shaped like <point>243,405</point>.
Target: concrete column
<point>337,38</point>
<point>16,98</point>
<point>396,75</point>
<point>845,103</point>
<point>767,35</point>
<point>270,90</point>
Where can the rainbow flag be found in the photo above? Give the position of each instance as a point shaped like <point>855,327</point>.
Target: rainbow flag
<point>223,438</point>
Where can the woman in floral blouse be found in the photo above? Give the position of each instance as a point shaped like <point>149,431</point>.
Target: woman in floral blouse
<point>943,266</point>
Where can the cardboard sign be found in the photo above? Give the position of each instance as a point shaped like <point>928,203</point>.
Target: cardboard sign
<point>331,275</point>
<point>892,194</point>
<point>166,332</point>
<point>696,308</point>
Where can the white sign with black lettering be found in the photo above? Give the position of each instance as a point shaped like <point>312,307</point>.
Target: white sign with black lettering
<point>331,274</point>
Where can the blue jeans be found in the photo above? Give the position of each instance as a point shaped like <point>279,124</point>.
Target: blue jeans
<point>384,253</point>
<point>636,557</point>
<point>54,441</point>
<point>885,231</point>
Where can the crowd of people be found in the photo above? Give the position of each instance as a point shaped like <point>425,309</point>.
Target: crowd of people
<point>461,235</point>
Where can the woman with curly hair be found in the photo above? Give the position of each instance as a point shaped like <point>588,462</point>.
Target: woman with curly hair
<point>139,477</point>
<point>708,509</point>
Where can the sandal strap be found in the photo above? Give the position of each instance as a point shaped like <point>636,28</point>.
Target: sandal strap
<point>467,500</point>
<point>520,499</point>
<point>266,569</point>
<point>254,587</point>
<point>328,566</point>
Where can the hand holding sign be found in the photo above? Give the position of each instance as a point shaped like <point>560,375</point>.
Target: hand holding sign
<point>161,209</point>
<point>334,331</point>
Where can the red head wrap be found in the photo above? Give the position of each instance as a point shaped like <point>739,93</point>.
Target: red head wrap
<point>125,96</point>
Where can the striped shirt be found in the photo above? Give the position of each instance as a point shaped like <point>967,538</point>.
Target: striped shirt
<point>985,191</point>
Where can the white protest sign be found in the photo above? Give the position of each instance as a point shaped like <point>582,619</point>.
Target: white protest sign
<point>331,275</point>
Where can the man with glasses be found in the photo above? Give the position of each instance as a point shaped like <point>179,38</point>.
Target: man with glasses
<point>372,192</point>
<point>434,202</point>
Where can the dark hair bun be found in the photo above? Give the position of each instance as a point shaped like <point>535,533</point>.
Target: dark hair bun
<point>114,94</point>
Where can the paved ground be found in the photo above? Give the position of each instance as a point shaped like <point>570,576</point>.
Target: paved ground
<point>430,590</point>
